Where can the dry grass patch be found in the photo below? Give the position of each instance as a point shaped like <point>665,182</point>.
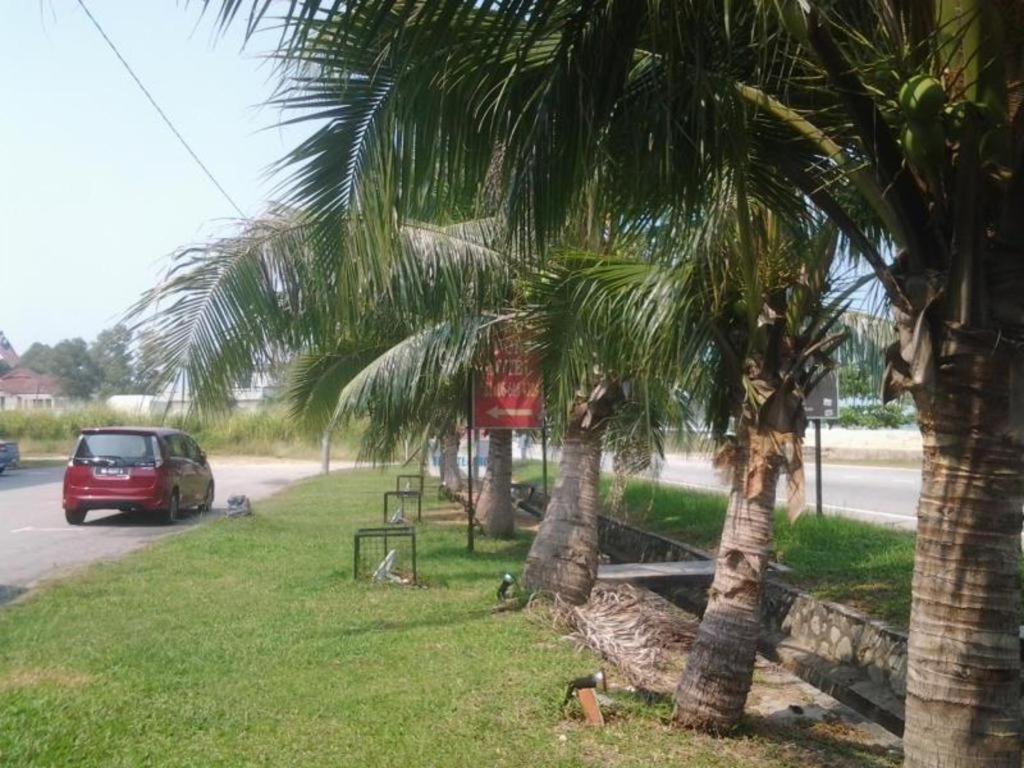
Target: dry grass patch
<point>16,679</point>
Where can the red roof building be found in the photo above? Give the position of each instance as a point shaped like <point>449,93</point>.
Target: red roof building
<point>24,388</point>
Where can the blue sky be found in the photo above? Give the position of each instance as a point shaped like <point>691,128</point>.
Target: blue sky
<point>95,191</point>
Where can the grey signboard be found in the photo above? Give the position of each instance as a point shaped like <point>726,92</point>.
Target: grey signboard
<point>822,402</point>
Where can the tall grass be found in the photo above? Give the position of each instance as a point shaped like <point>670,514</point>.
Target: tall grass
<point>265,432</point>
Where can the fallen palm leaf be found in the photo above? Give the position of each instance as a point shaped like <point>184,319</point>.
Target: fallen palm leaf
<point>641,633</point>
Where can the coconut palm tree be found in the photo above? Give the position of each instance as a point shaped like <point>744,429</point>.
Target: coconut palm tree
<point>451,477</point>
<point>564,555</point>
<point>756,305</point>
<point>581,405</point>
<point>910,109</point>
<point>588,390</point>
<point>275,288</point>
<point>767,365</point>
<point>398,352</point>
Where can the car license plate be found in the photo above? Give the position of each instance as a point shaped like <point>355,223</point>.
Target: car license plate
<point>112,472</point>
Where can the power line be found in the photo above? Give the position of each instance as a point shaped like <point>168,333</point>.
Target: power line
<point>156,106</point>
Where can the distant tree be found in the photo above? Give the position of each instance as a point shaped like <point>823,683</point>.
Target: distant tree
<point>38,357</point>
<point>112,355</point>
<point>75,371</point>
<point>4,368</point>
<point>69,363</point>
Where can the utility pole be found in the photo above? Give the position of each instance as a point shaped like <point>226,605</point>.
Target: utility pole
<point>325,452</point>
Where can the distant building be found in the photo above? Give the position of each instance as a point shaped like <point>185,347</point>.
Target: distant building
<point>23,389</point>
<point>249,393</point>
<point>7,353</point>
<point>254,391</point>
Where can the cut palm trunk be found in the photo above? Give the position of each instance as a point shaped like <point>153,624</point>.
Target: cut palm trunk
<point>720,668</point>
<point>494,509</point>
<point>450,474</point>
<point>963,679</point>
<point>563,558</point>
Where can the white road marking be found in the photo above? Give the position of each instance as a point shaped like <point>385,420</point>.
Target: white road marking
<point>34,529</point>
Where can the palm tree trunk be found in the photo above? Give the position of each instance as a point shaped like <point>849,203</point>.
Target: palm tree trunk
<point>563,557</point>
<point>720,667</point>
<point>495,508</point>
<point>450,474</point>
<point>963,678</point>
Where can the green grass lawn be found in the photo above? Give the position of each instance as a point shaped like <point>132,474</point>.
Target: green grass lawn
<point>247,643</point>
<point>868,567</point>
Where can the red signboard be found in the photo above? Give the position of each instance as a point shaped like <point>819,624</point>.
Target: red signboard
<point>508,395</point>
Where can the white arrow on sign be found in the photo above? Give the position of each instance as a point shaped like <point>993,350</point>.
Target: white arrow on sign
<point>496,412</point>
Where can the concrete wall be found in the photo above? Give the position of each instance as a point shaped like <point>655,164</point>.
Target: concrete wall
<point>860,649</point>
<point>626,543</point>
<point>838,634</point>
<point>831,631</point>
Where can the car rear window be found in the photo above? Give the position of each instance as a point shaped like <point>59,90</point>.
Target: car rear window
<point>126,448</point>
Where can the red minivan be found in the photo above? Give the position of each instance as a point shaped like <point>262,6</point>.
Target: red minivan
<point>136,468</point>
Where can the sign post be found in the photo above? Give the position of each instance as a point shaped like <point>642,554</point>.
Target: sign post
<point>469,465</point>
<point>817,467</point>
<point>507,395</point>
<point>821,403</point>
<point>544,455</point>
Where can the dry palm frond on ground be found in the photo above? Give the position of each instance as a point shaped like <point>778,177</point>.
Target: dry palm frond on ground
<point>641,633</point>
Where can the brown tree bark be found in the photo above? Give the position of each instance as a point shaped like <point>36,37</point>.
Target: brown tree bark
<point>450,474</point>
<point>963,678</point>
<point>494,508</point>
<point>720,667</point>
<point>564,554</point>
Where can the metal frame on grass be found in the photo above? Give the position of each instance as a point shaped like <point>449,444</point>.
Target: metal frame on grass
<point>388,532</point>
<point>400,478</point>
<point>404,495</point>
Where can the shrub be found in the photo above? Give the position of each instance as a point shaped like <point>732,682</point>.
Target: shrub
<point>874,416</point>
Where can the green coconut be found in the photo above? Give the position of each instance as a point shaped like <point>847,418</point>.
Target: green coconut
<point>924,144</point>
<point>922,97</point>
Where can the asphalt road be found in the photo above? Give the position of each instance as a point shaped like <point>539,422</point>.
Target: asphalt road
<point>886,495</point>
<point>874,494</point>
<point>36,543</point>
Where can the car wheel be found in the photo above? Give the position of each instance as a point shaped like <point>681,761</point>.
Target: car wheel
<point>207,505</point>
<point>170,515</point>
<point>74,517</point>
